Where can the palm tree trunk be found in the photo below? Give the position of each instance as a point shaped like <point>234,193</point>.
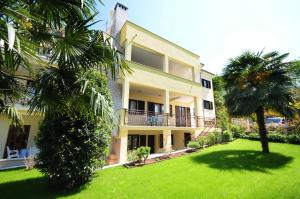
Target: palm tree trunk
<point>262,129</point>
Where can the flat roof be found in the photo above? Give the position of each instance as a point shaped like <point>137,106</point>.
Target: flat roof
<point>172,43</point>
<point>208,72</point>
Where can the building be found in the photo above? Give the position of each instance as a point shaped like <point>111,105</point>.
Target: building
<point>165,102</point>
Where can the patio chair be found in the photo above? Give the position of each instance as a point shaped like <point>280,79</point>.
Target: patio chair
<point>11,154</point>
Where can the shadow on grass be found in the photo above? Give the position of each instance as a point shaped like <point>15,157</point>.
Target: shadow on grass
<point>34,188</point>
<point>249,160</point>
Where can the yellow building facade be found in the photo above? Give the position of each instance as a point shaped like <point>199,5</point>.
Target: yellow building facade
<point>168,98</point>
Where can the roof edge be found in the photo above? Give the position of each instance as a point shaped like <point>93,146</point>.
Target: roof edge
<point>156,35</point>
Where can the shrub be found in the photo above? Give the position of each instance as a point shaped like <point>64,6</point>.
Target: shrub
<point>237,131</point>
<point>227,136</point>
<point>218,137</point>
<point>277,137</point>
<point>296,130</point>
<point>71,149</point>
<point>194,145</point>
<point>252,136</point>
<point>132,156</point>
<point>293,139</point>
<point>202,141</point>
<point>143,153</point>
<point>211,139</point>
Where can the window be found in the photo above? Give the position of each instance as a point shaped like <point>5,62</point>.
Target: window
<point>183,116</point>
<point>172,139</point>
<point>136,106</point>
<point>206,83</point>
<point>155,108</point>
<point>208,105</point>
<point>133,142</point>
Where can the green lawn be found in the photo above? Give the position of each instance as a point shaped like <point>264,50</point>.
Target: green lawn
<point>234,170</point>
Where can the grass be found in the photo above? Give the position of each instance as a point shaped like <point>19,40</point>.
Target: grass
<point>234,170</point>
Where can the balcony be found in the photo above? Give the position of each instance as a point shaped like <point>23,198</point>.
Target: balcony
<point>158,61</point>
<point>142,118</point>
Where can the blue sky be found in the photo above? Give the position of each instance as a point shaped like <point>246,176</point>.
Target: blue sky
<point>217,29</point>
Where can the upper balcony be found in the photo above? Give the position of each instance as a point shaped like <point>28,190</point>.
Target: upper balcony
<point>158,61</point>
<point>144,47</point>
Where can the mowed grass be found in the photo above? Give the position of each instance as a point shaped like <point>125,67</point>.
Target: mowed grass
<point>234,170</point>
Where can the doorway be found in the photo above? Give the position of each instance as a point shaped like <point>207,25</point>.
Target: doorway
<point>17,138</point>
<point>187,138</point>
<point>151,142</point>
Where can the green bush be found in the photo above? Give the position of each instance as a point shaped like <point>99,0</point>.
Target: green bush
<point>293,138</point>
<point>143,153</point>
<point>218,137</point>
<point>71,149</point>
<point>237,131</point>
<point>132,156</point>
<point>252,136</point>
<point>227,136</point>
<point>202,141</point>
<point>211,139</point>
<point>194,145</point>
<point>277,137</point>
<point>296,130</point>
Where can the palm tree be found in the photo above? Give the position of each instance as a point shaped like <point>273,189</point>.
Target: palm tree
<point>61,27</point>
<point>255,82</point>
<point>69,86</point>
<point>16,49</point>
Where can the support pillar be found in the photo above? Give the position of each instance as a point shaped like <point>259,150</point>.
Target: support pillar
<point>166,64</point>
<point>198,111</point>
<point>167,138</point>
<point>128,49</point>
<point>125,101</point>
<point>123,146</point>
<point>166,107</point>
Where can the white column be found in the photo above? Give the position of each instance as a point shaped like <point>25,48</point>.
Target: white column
<point>166,107</point>
<point>123,146</point>
<point>128,49</point>
<point>167,140</point>
<point>166,64</point>
<point>197,106</point>
<point>199,111</point>
<point>196,74</point>
<point>166,101</point>
<point>125,93</point>
<point>125,101</point>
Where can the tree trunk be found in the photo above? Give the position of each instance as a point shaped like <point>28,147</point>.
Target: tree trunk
<point>262,129</point>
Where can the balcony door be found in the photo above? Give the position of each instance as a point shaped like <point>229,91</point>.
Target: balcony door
<point>155,108</point>
<point>183,116</point>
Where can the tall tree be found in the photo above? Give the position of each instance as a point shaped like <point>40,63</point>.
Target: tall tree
<point>72,63</point>
<point>221,109</point>
<point>31,29</point>
<point>17,50</point>
<point>255,82</point>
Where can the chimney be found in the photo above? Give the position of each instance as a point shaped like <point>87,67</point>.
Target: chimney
<point>118,19</point>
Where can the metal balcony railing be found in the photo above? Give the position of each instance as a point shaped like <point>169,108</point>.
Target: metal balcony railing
<point>142,118</point>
